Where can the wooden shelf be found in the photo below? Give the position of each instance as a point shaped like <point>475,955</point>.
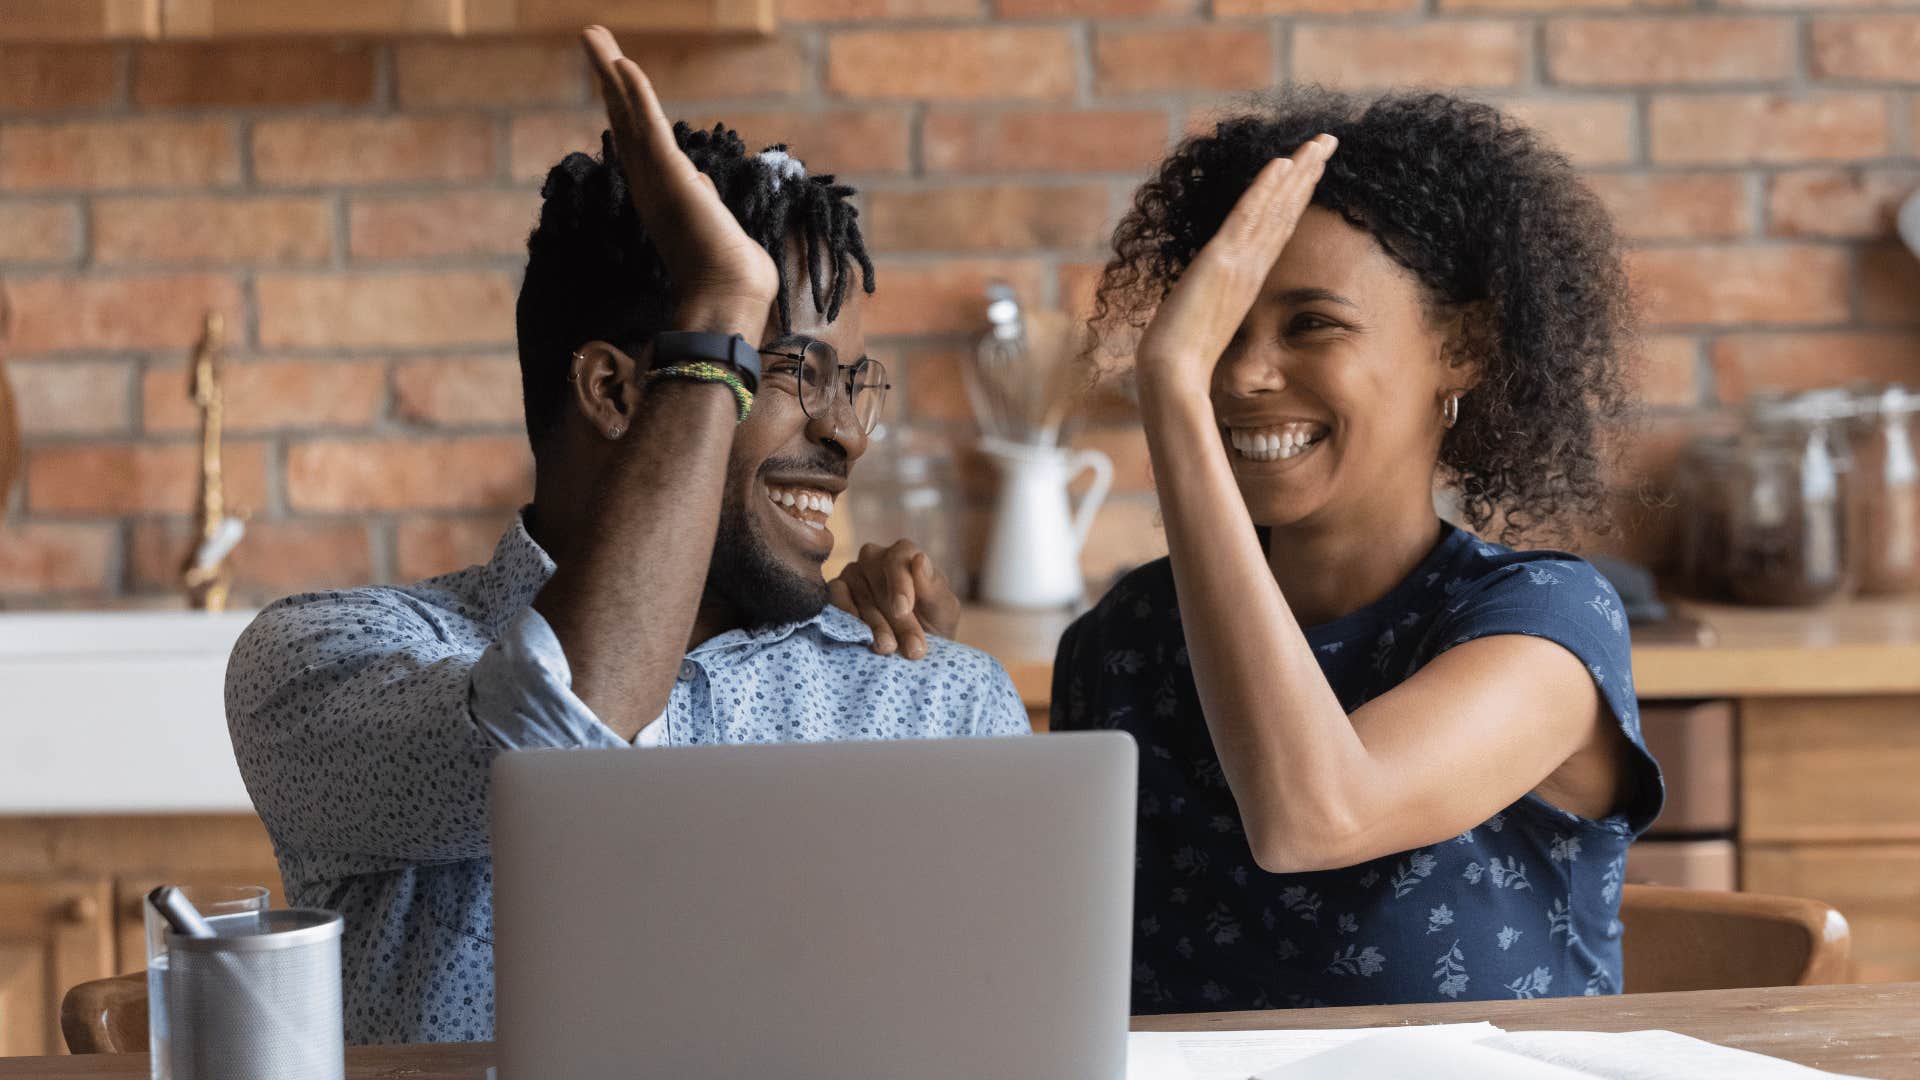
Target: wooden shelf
<point>192,20</point>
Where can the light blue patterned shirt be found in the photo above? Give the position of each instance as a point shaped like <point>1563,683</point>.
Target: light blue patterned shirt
<point>364,721</point>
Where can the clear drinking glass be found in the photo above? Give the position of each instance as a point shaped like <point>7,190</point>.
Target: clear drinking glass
<point>210,900</point>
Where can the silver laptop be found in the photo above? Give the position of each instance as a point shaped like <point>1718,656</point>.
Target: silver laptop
<point>920,909</point>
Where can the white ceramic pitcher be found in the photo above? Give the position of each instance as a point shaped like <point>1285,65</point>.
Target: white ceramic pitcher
<point>1033,552</point>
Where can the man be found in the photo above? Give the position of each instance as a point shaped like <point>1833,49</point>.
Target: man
<point>663,588</point>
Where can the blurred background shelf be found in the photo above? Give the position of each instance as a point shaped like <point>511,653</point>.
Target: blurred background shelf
<point>77,21</point>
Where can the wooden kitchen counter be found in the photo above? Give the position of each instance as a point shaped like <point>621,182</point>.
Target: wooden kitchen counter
<point>1867,1031</point>
<point>1852,648</point>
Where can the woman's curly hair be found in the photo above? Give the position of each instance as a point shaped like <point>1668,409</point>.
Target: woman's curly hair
<point>1494,224</point>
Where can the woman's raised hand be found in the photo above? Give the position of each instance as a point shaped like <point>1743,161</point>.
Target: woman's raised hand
<point>900,595</point>
<point>1196,322</point>
<point>713,262</point>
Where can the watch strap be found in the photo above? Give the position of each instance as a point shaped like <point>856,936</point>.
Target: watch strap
<point>672,347</point>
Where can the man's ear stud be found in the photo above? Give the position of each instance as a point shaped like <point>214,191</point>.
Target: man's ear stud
<point>614,431</point>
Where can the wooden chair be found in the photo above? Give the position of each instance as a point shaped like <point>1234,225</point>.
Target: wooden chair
<point>1697,939</point>
<point>106,1016</point>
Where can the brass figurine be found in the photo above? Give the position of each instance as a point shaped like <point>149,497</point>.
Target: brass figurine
<point>206,574</point>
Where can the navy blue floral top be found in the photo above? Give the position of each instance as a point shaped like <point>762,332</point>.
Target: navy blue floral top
<point>1523,905</point>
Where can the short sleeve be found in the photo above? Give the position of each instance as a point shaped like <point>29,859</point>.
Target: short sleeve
<point>1564,600</point>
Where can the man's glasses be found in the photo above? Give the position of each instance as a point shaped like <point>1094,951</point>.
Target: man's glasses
<point>817,370</point>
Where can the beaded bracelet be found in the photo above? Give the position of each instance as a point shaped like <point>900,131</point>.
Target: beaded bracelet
<point>706,371</point>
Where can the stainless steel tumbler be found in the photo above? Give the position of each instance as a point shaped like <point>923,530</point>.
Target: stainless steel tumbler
<point>260,1000</point>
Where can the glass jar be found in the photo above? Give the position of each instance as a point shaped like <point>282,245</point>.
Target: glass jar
<point>1784,494</point>
<point>1703,483</point>
<point>1887,486</point>
<point>905,488</point>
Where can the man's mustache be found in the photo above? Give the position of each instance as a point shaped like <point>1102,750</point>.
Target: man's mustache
<point>824,463</point>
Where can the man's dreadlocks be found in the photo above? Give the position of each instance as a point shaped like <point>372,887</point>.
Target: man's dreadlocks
<point>593,274</point>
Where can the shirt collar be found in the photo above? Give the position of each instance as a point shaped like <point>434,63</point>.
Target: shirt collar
<point>520,568</point>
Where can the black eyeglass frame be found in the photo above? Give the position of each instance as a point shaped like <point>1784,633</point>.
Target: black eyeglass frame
<point>864,364</point>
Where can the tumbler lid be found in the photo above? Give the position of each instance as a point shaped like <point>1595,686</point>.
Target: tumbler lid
<point>263,931</point>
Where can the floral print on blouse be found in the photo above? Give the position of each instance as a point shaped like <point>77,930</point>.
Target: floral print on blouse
<point>1523,905</point>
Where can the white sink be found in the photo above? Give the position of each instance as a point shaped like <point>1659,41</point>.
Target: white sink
<point>117,712</point>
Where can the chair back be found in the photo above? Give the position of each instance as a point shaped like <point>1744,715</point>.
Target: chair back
<point>1700,939</point>
<point>106,1016</point>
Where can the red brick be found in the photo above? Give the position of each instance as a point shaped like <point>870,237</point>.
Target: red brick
<point>1126,447</point>
<point>1852,203</point>
<point>1078,282</point>
<point>420,309</point>
<point>1156,58</point>
<point>276,557</point>
<point>1881,48</point>
<point>452,223</point>
<point>935,382</point>
<point>1555,7</point>
<point>945,297</point>
<point>1667,371</point>
<point>853,10</point>
<point>104,154</point>
<point>272,396</point>
<point>108,313</point>
<point>327,475</point>
<point>1744,363</point>
<point>1228,9</point>
<point>700,68</point>
<point>1637,52</point>
<point>1766,4</point>
<point>458,391</point>
<point>1675,206</point>
<point>197,229</point>
<point>489,73</point>
<point>1889,286</point>
<point>1100,9</point>
<point>253,74</point>
<point>426,546</point>
<point>38,557</point>
<point>310,151</point>
<point>1741,284</point>
<point>1739,129</point>
<point>1043,140</point>
<point>1447,54</point>
<point>115,478</point>
<point>861,141</point>
<point>998,218</point>
<point>58,76</point>
<point>1590,131</point>
<point>537,141</point>
<point>38,232</point>
<point>971,63</point>
<point>72,397</point>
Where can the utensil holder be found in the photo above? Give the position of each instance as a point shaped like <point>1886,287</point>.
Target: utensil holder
<point>260,1000</point>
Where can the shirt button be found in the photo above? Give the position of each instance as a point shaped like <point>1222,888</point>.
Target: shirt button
<point>688,671</point>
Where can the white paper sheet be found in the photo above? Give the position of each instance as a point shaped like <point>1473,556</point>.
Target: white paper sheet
<point>1649,1055</point>
<point>1238,1055</point>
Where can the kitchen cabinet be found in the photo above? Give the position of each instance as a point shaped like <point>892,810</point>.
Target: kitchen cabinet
<point>115,20</point>
<point>273,18</point>
<point>78,20</point>
<point>563,16</point>
<point>53,933</point>
<point>1876,886</point>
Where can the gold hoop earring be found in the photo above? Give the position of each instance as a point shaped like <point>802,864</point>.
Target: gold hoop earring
<point>1450,412</point>
<point>573,373</point>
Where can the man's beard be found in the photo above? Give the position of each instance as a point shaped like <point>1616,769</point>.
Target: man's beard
<point>746,576</point>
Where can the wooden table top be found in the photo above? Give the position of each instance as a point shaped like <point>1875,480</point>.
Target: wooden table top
<point>1869,1030</point>
<point>1867,646</point>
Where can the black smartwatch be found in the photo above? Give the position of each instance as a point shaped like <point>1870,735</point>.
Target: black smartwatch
<point>680,346</point>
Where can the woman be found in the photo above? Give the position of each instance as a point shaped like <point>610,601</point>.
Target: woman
<point>1382,760</point>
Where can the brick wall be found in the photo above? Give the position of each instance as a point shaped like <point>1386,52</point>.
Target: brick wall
<point>357,211</point>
